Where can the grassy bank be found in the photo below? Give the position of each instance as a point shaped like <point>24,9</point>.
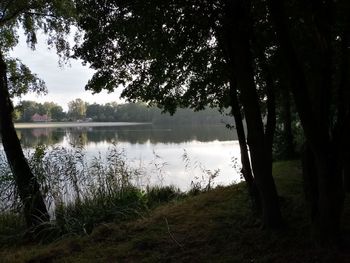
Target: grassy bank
<point>216,226</point>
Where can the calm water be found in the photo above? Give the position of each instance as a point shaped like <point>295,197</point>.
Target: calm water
<point>207,148</point>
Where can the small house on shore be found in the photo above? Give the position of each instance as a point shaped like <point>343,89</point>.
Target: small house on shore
<point>40,118</point>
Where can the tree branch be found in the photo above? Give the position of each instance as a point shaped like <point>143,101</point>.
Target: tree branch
<point>41,14</point>
<point>12,16</point>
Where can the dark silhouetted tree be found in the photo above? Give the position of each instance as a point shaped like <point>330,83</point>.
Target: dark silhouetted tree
<point>54,18</point>
<point>189,54</point>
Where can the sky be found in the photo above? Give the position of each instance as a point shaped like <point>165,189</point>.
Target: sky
<point>63,83</point>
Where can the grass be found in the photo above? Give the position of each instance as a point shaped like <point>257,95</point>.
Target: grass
<point>215,226</point>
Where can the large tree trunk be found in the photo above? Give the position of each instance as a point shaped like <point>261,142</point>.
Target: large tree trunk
<point>313,104</point>
<point>241,60</point>
<point>245,159</point>
<point>344,104</point>
<point>324,195</point>
<point>310,180</point>
<point>330,199</point>
<point>28,188</point>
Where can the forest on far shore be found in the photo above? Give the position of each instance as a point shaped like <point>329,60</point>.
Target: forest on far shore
<point>78,110</point>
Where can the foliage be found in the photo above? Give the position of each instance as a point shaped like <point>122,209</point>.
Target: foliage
<point>181,53</point>
<point>83,216</point>
<point>8,200</point>
<point>157,195</point>
<point>281,145</point>
<point>12,229</point>
<point>139,112</point>
<point>53,18</point>
<point>26,110</point>
<point>77,109</point>
<point>175,53</point>
<point>82,194</point>
<point>127,112</point>
<point>21,80</point>
<point>163,52</point>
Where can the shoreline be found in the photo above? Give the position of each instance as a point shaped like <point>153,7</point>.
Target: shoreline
<point>75,124</point>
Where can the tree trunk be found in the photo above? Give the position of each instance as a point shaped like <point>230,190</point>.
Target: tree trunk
<point>29,191</point>
<point>346,170</point>
<point>313,107</point>
<point>331,199</point>
<point>288,138</point>
<point>245,159</point>
<point>323,192</point>
<point>344,106</point>
<point>241,60</point>
<point>310,180</point>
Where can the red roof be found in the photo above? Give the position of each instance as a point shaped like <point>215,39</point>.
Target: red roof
<point>40,118</point>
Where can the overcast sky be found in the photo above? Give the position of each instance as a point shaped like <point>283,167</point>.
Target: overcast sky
<point>64,84</point>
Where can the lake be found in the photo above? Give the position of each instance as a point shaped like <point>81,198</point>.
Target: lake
<point>159,149</point>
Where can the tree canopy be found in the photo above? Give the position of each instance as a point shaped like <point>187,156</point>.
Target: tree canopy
<point>243,54</point>
<point>163,52</point>
<point>174,54</point>
<point>54,19</point>
<point>51,18</point>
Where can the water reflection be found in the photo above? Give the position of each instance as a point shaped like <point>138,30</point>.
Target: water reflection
<point>140,134</point>
<point>209,148</point>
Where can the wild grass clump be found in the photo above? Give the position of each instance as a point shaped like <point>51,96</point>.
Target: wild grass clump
<point>81,217</point>
<point>8,193</point>
<point>202,182</point>
<point>83,192</point>
<point>157,195</point>
<point>12,228</point>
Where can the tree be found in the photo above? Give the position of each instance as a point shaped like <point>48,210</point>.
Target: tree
<point>57,113</point>
<point>29,190</point>
<point>94,111</point>
<point>314,41</point>
<point>77,109</point>
<point>176,54</point>
<point>181,53</point>
<point>27,109</point>
<point>54,18</point>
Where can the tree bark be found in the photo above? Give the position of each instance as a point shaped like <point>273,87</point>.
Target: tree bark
<point>237,36</point>
<point>310,181</point>
<point>344,105</point>
<point>35,210</point>
<point>245,159</point>
<point>288,138</point>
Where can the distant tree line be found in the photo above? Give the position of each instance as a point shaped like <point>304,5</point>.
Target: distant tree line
<point>114,112</point>
<point>27,109</point>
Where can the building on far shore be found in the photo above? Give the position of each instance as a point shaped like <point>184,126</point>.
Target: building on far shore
<point>41,118</point>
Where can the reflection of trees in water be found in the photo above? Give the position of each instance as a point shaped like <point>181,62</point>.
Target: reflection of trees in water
<point>37,136</point>
<point>161,134</point>
<point>77,136</point>
<point>133,134</point>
